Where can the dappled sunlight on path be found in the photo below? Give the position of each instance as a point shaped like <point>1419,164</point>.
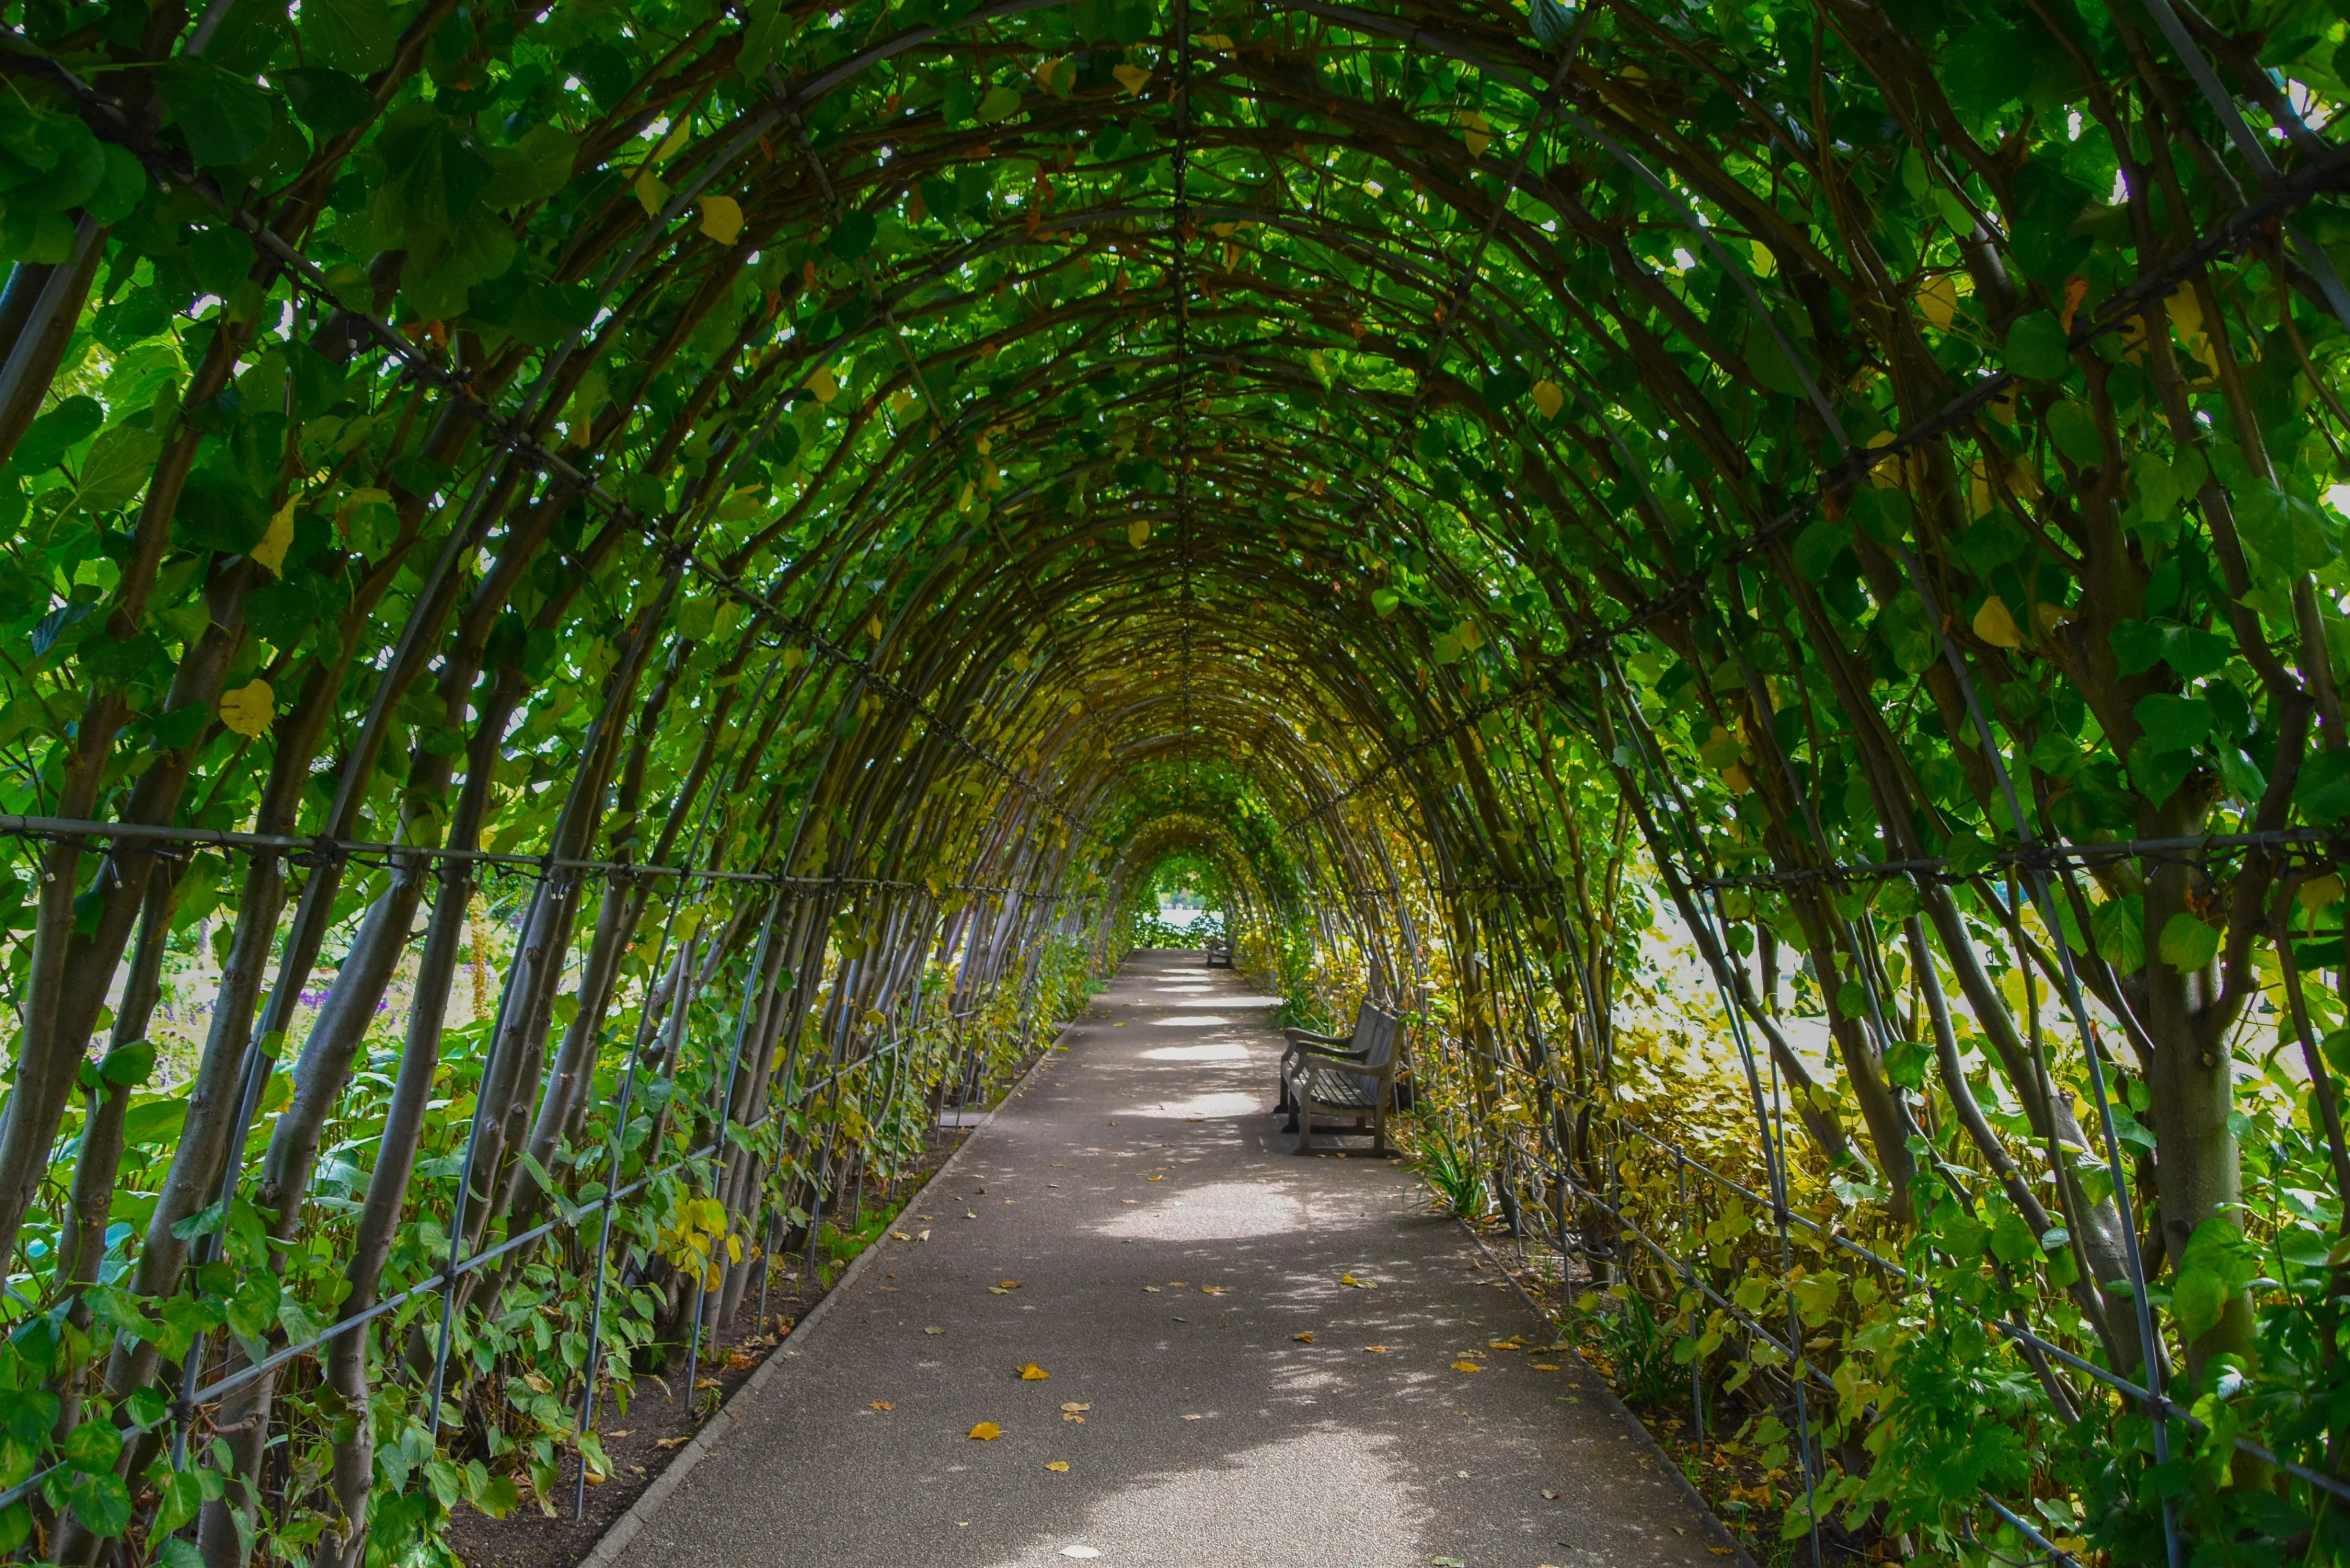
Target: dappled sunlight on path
<point>1251,1358</point>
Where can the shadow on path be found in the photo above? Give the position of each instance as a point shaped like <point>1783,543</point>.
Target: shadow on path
<point>1135,1224</point>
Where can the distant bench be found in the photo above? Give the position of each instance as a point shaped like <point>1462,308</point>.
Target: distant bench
<point>1219,952</point>
<point>1349,1076</point>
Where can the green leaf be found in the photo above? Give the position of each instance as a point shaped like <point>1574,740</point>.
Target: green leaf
<point>533,169</point>
<point>1817,547</point>
<point>116,468</point>
<point>2036,348</point>
<point>101,1502</point>
<point>854,237</point>
<point>2288,531</point>
<point>2074,430</point>
<point>2198,1300</point>
<point>2322,790</point>
<point>329,102</point>
<point>2188,944</point>
<point>226,119</point>
<point>2173,723</point>
<point>56,433</point>
<point>1001,103</point>
<point>179,1497</point>
<point>357,36</point>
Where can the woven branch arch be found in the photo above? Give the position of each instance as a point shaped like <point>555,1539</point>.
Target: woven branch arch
<point>771,525</point>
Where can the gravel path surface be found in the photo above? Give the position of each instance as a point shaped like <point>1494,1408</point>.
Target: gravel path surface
<point>1171,1259</point>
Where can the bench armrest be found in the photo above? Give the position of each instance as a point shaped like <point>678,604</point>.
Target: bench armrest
<point>1308,1037</point>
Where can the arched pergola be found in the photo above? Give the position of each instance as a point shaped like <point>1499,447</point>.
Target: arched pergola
<point>755,528</point>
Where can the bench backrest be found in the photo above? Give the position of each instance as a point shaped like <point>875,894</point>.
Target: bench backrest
<point>1376,1034</point>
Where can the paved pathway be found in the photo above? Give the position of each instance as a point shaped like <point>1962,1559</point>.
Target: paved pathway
<point>1171,1256</point>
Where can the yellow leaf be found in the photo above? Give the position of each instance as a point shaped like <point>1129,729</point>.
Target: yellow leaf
<point>1545,1366</point>
<point>1995,626</point>
<point>1032,1373</point>
<point>2318,893</point>
<point>1938,302</point>
<point>1138,532</point>
<point>824,384</point>
<point>1377,1350</point>
<point>249,709</point>
<point>986,1432</point>
<point>1073,1406</point>
<point>674,140</point>
<point>1477,132</point>
<point>879,1404</point>
<point>1549,399</point>
<point>1131,77</point>
<point>1466,1366</point>
<point>271,551</point>
<point>1305,1338</point>
<point>1216,40</point>
<point>1059,1467</point>
<point>722,218</point>
<point>651,194</point>
<point>1739,780</point>
<point>1359,1284</point>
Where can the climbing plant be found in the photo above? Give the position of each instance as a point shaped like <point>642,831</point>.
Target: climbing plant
<point>725,543</point>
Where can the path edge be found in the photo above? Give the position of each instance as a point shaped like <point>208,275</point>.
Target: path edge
<point>623,1531</point>
<point>1615,1407</point>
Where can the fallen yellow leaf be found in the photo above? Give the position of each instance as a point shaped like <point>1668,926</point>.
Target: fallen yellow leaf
<point>1359,1284</point>
<point>1215,1290</point>
<point>986,1432</point>
<point>1466,1366</point>
<point>1377,1350</point>
<point>1032,1373</point>
<point>879,1404</point>
<point>1075,1405</point>
<point>1544,1366</point>
<point>1060,1466</point>
<point>1305,1338</point>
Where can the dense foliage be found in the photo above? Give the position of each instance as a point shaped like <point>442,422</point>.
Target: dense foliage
<point>757,529</point>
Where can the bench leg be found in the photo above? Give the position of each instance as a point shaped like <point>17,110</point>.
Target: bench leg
<point>1379,1128</point>
<point>1305,1126</point>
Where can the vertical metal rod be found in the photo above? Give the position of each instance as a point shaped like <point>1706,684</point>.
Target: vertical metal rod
<point>677,1004</point>
<point>723,1091</point>
<point>449,1284</point>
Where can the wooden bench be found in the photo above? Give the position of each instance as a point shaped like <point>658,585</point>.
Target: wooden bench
<point>1349,1076</point>
<point>1219,952</point>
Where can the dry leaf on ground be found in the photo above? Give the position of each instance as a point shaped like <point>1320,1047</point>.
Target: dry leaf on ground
<point>1466,1366</point>
<point>1545,1366</point>
<point>1377,1350</point>
<point>879,1404</point>
<point>1032,1373</point>
<point>934,1329</point>
<point>673,1442</point>
<point>1060,1466</point>
<point>1215,1290</point>
<point>1305,1338</point>
<point>1359,1284</point>
<point>985,1432</point>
